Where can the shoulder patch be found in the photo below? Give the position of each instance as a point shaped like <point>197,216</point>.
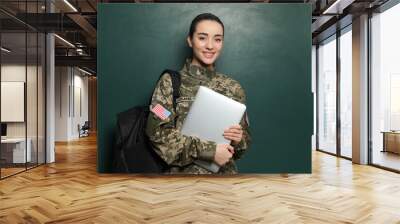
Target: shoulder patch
<point>160,112</point>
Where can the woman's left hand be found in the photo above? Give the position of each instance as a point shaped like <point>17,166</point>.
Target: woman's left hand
<point>234,133</point>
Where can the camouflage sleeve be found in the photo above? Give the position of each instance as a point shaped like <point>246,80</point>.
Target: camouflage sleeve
<point>244,144</point>
<point>173,147</point>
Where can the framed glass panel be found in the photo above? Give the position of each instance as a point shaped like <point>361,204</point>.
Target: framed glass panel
<point>346,92</point>
<point>22,89</point>
<point>385,89</point>
<point>14,153</point>
<point>314,91</point>
<point>327,95</point>
<point>41,98</point>
<point>32,96</point>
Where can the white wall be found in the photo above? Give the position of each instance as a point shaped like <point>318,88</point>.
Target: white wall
<point>80,84</point>
<point>16,73</point>
<point>9,73</point>
<point>71,93</point>
<point>61,103</point>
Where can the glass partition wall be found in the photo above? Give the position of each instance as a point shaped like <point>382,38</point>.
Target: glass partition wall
<point>345,62</point>
<point>334,94</point>
<point>334,83</point>
<point>326,59</point>
<point>22,87</point>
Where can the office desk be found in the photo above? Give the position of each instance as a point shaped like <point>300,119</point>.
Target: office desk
<point>391,141</point>
<point>13,150</point>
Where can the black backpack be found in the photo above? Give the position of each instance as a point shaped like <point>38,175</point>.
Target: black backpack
<point>132,150</point>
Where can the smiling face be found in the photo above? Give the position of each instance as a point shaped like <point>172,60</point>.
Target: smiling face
<point>206,43</point>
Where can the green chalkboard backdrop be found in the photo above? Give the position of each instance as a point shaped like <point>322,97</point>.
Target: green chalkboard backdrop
<point>267,48</point>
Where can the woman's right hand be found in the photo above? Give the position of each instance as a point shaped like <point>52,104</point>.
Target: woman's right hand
<point>223,153</point>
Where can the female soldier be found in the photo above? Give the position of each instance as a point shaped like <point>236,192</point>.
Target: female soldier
<point>206,37</point>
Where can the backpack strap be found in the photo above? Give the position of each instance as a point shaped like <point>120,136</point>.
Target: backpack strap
<point>176,83</point>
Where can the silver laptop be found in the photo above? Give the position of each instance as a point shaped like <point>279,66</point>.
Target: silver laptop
<point>209,115</point>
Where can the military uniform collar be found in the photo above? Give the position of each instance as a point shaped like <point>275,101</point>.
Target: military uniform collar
<point>197,70</point>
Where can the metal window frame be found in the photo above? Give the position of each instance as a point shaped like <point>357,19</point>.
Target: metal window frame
<point>388,5</point>
<point>337,34</point>
<point>44,73</point>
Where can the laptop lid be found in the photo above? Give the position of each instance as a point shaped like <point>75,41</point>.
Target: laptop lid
<point>210,114</point>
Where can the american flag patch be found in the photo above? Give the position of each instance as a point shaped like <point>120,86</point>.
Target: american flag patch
<point>160,112</point>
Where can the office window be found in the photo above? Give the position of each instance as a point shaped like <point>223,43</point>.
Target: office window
<point>346,92</point>
<point>385,88</point>
<point>327,95</point>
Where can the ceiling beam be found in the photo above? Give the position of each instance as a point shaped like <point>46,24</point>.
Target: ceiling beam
<point>86,26</point>
<point>85,61</point>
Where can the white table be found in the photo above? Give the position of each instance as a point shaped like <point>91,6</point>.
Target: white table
<point>18,149</point>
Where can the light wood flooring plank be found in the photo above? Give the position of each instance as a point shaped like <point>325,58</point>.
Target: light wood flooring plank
<point>71,191</point>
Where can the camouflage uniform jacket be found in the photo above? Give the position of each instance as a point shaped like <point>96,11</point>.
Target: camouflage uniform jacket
<point>178,150</point>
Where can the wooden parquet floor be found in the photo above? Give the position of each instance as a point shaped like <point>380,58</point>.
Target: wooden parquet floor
<point>71,191</point>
